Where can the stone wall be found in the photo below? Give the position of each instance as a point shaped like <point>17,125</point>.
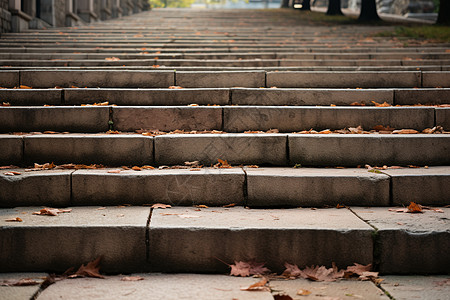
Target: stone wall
<point>5,17</point>
<point>60,13</point>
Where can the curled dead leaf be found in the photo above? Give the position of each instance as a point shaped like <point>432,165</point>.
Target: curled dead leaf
<point>245,269</point>
<point>20,282</point>
<point>132,278</point>
<point>160,205</point>
<point>259,286</point>
<point>51,211</point>
<point>92,269</point>
<point>17,219</point>
<point>12,173</point>
<point>414,208</point>
<point>303,292</point>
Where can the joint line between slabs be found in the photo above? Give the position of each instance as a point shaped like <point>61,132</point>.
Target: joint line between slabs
<point>147,235</point>
<point>245,187</point>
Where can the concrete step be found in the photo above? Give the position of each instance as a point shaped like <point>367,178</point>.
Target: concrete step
<point>237,148</point>
<point>242,186</point>
<point>136,239</point>
<point>232,119</point>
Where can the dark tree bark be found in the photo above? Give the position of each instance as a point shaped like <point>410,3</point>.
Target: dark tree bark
<point>444,13</point>
<point>334,7</point>
<point>284,3</point>
<point>368,11</point>
<point>306,5</point>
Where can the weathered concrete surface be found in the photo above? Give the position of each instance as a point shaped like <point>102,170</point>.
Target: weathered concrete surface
<point>424,186</point>
<point>20,292</point>
<point>417,287</point>
<point>294,118</point>
<point>148,96</point>
<point>11,148</point>
<point>422,96</point>
<point>184,239</point>
<point>9,78</point>
<point>436,79</point>
<point>49,187</point>
<point>212,187</point>
<point>97,78</point>
<point>443,117</point>
<point>156,287</point>
<point>109,149</point>
<point>372,149</point>
<point>130,118</point>
<point>31,96</point>
<point>316,187</point>
<point>343,79</point>
<point>208,148</point>
<point>299,97</point>
<point>55,243</point>
<point>345,289</point>
<point>60,119</point>
<point>403,238</point>
<point>220,79</point>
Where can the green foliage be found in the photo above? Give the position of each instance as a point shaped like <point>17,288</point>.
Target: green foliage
<point>171,3</point>
<point>430,32</point>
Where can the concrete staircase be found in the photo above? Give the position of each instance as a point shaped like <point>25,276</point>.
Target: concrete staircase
<point>244,87</point>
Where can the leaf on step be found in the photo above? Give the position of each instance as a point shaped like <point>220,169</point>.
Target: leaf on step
<point>112,58</point>
<point>260,286</point>
<point>245,269</point>
<point>160,205</point>
<point>175,87</point>
<point>229,205</point>
<point>91,269</point>
<point>12,173</point>
<point>414,208</point>
<point>405,131</point>
<point>20,282</point>
<point>136,168</point>
<point>321,273</point>
<point>303,292</point>
<point>114,171</point>
<point>24,87</point>
<point>358,104</point>
<point>201,206</point>
<point>17,219</point>
<point>291,271</point>
<point>363,271</point>
<point>132,278</point>
<point>51,211</point>
<point>384,104</point>
<point>5,104</point>
<point>222,164</point>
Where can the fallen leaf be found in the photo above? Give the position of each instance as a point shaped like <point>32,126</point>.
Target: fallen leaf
<point>384,104</point>
<point>201,206</point>
<point>5,104</point>
<point>114,171</point>
<point>12,173</point>
<point>291,271</point>
<point>340,206</point>
<point>20,282</point>
<point>17,219</point>
<point>132,278</point>
<point>259,286</point>
<point>175,87</point>
<point>245,269</point>
<point>51,211</point>
<point>222,164</point>
<point>112,58</point>
<point>303,292</point>
<point>160,205</point>
<point>25,87</point>
<point>92,269</point>
<point>136,168</point>
<point>405,131</point>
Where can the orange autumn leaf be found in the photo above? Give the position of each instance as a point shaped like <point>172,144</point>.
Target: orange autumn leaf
<point>414,208</point>
<point>132,278</point>
<point>303,292</point>
<point>17,219</point>
<point>384,104</point>
<point>160,205</point>
<point>259,286</point>
<point>25,87</point>
<point>112,58</point>
<point>245,269</point>
<point>136,168</point>
<point>51,211</point>
<point>405,131</point>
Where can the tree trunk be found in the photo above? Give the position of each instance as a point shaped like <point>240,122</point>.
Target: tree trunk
<point>368,11</point>
<point>444,13</point>
<point>334,7</point>
<point>284,3</point>
<point>306,5</point>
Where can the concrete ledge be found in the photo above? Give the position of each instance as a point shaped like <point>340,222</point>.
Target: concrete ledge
<point>111,150</point>
<point>60,119</point>
<point>289,119</point>
<point>212,187</point>
<point>11,148</point>
<point>208,148</point>
<point>31,97</point>
<point>50,187</point>
<point>167,118</point>
<point>436,79</point>
<point>422,96</point>
<point>186,240</point>
<point>316,187</point>
<point>343,79</point>
<point>402,238</point>
<point>97,78</point>
<point>9,78</point>
<point>164,97</point>
<point>375,150</point>
<point>424,186</point>
<point>410,287</point>
<point>309,96</point>
<point>71,239</point>
<point>443,117</point>
<point>220,79</point>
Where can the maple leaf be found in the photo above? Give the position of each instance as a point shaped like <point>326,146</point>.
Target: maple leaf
<point>259,286</point>
<point>321,273</point>
<point>90,270</point>
<point>414,208</point>
<point>384,104</point>
<point>245,269</point>
<point>358,269</point>
<point>291,271</point>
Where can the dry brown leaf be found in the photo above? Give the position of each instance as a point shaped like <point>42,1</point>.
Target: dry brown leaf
<point>222,164</point>
<point>112,58</point>
<point>12,173</point>
<point>17,219</point>
<point>405,131</point>
<point>291,271</point>
<point>136,168</point>
<point>147,167</point>
<point>114,171</point>
<point>258,287</point>
<point>245,269</point>
<point>8,167</point>
<point>25,87</point>
<point>51,211</point>
<point>303,292</point>
<point>230,205</point>
<point>175,87</point>
<point>92,269</point>
<point>132,278</point>
<point>358,269</point>
<point>201,206</point>
<point>384,104</point>
<point>5,104</point>
<point>160,205</point>
<point>321,273</point>
<point>20,282</point>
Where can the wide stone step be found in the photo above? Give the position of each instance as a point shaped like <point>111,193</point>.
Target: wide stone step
<point>136,239</point>
<point>242,186</point>
<point>238,148</point>
<point>164,79</point>
<point>232,119</point>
